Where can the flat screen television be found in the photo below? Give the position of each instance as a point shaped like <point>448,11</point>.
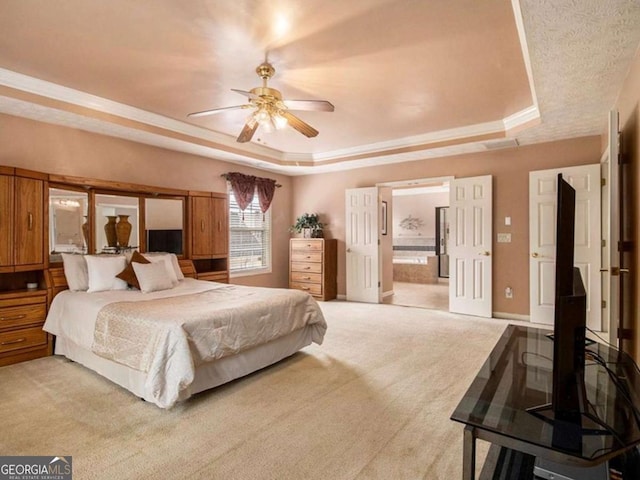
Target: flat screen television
<point>570,312</point>
<point>568,396</point>
<point>164,241</point>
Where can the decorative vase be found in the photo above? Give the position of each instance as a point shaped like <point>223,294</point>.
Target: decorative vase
<point>123,231</point>
<point>85,231</point>
<point>317,233</point>
<point>110,231</point>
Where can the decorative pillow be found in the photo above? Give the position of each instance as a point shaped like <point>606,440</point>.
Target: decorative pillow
<point>128,275</point>
<point>152,276</point>
<point>174,262</point>
<point>165,259</point>
<point>75,270</point>
<point>103,270</point>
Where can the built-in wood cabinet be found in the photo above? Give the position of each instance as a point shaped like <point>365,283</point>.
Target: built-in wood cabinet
<point>22,223</point>
<point>6,223</point>
<point>22,314</point>
<point>209,232</point>
<point>29,223</point>
<point>313,264</point>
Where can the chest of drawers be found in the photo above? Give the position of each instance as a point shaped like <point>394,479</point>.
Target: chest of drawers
<point>313,266</point>
<point>22,314</point>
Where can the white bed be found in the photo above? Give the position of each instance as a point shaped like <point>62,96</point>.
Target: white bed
<point>180,368</point>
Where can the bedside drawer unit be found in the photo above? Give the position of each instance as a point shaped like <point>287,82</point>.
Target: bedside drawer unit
<point>313,266</point>
<point>23,338</point>
<point>221,277</point>
<point>11,317</point>
<point>22,314</point>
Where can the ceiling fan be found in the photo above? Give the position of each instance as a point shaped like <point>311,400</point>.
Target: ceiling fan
<point>271,110</point>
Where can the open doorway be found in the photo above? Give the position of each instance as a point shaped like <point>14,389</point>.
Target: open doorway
<point>419,221</point>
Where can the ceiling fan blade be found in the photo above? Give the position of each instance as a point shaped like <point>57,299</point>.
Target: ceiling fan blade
<point>251,95</point>
<point>217,110</point>
<point>314,105</point>
<point>247,132</point>
<point>303,127</point>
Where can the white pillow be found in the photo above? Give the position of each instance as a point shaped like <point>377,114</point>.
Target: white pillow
<point>164,259</point>
<point>174,262</point>
<point>75,270</point>
<point>103,270</point>
<point>152,276</point>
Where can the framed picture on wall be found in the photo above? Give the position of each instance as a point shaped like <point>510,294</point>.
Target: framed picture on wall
<point>384,218</point>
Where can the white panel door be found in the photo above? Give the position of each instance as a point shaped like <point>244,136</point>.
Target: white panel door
<point>361,241</point>
<point>542,239</point>
<point>470,269</point>
<point>611,232</point>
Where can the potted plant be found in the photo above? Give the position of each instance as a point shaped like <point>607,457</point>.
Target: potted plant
<point>309,225</point>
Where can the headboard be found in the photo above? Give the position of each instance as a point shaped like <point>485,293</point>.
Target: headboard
<point>56,281</point>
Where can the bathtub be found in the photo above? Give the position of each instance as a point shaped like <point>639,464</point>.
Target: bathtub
<point>411,260</point>
<point>413,269</point>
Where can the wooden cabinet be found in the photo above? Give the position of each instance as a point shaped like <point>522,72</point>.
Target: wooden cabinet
<point>22,223</point>
<point>209,232</point>
<point>209,226</point>
<point>6,223</point>
<point>220,225</point>
<point>313,266</point>
<point>22,314</point>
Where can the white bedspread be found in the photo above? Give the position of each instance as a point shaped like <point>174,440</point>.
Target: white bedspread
<point>241,317</point>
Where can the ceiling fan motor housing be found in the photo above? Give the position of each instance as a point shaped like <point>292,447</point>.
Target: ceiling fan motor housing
<point>265,70</point>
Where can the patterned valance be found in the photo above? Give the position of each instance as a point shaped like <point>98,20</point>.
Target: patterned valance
<point>244,187</point>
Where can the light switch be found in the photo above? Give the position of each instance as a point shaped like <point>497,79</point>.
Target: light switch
<point>507,221</point>
<point>504,238</point>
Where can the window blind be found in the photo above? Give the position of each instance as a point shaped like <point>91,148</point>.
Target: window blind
<point>249,237</point>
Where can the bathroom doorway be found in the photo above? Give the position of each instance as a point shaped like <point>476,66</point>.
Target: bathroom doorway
<point>420,227</point>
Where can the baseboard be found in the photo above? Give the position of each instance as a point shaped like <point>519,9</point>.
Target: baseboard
<point>387,294</point>
<point>511,316</point>
<point>341,296</point>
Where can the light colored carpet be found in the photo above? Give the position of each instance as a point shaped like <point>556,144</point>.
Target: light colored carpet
<point>372,402</point>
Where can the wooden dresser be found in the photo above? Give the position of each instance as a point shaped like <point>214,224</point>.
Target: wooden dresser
<point>22,314</point>
<point>313,265</point>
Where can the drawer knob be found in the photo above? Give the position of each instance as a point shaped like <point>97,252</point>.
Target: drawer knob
<point>13,317</point>
<point>307,268</point>
<point>308,256</point>
<point>306,278</point>
<point>305,288</point>
<point>12,342</point>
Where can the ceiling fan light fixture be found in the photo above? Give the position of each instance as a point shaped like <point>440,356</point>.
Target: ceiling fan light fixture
<point>271,112</point>
<point>279,121</point>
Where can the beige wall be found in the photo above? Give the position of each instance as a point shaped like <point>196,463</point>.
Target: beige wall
<point>627,105</point>
<point>386,242</point>
<point>510,169</point>
<point>66,151</point>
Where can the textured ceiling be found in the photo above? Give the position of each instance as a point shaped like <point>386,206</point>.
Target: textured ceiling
<point>409,79</point>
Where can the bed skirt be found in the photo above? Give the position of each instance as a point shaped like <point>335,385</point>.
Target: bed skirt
<point>208,375</point>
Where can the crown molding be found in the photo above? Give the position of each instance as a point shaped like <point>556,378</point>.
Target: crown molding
<point>224,147</point>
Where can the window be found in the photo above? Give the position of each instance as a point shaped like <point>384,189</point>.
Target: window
<point>249,238</point>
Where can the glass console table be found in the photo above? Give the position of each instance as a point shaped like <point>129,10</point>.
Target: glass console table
<point>517,376</point>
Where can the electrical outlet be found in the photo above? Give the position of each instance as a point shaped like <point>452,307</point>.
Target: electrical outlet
<point>504,238</point>
<point>508,292</point>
